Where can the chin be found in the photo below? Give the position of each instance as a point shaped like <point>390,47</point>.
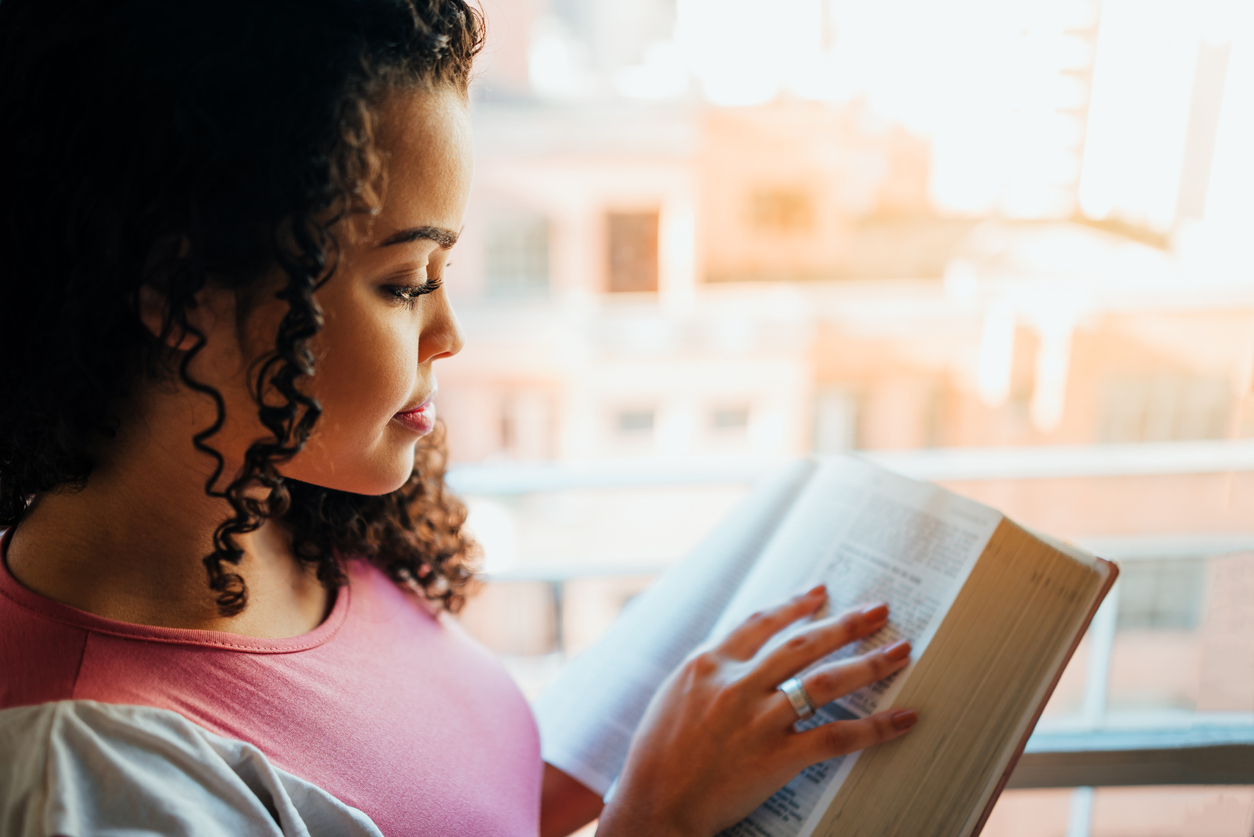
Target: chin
<point>395,485</point>
<point>394,476</point>
<point>380,483</point>
<point>369,478</point>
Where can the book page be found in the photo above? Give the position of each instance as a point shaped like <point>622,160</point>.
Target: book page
<point>588,714</point>
<point>870,536</point>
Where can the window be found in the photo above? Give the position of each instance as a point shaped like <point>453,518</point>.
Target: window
<point>518,256</point>
<point>1172,634</point>
<point>635,422</point>
<point>526,424</point>
<point>781,210</point>
<point>1161,595</point>
<point>1163,408</point>
<point>836,414</point>
<point>633,252</point>
<point>730,419</point>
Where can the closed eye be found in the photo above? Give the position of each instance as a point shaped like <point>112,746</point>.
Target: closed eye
<point>409,294</point>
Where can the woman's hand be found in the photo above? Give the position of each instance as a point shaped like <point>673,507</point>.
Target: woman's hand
<point>718,737</point>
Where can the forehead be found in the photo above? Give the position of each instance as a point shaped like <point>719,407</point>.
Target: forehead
<point>423,141</point>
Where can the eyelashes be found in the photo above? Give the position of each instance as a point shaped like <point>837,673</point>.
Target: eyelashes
<point>408,294</point>
<point>406,290</point>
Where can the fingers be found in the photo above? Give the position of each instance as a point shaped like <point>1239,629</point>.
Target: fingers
<point>747,639</point>
<point>816,642</point>
<point>830,682</point>
<point>825,684</point>
<point>841,737</point>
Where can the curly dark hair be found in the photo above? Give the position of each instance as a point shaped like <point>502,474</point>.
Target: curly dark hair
<point>148,142</point>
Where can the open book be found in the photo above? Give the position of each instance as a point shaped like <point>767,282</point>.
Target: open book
<point>993,611</point>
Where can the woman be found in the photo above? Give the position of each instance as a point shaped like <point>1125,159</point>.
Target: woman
<point>229,552</point>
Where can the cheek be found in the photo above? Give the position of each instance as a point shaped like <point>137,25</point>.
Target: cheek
<point>364,375</point>
<point>365,371</point>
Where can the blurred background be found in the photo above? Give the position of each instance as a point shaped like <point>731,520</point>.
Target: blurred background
<point>1000,244</point>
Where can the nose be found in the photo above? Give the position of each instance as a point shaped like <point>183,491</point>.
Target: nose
<point>442,334</point>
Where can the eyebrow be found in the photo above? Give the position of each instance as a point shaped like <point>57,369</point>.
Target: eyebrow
<point>445,238</point>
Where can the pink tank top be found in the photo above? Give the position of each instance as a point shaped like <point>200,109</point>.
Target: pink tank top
<point>387,708</point>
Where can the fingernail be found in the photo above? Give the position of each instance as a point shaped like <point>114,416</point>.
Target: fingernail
<point>818,590</point>
<point>903,719</point>
<point>898,650</point>
<point>875,612</point>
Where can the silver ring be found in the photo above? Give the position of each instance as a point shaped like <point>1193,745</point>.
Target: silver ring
<point>798,697</point>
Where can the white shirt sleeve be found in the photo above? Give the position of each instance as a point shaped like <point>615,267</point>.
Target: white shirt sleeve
<point>82,769</point>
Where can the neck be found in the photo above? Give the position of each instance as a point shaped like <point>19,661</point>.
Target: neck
<point>129,546</point>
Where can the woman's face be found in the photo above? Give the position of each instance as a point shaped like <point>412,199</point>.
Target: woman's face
<point>374,373</point>
<point>374,356</point>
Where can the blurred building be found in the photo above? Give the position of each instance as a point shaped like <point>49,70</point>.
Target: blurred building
<point>773,278</point>
<point>703,235</point>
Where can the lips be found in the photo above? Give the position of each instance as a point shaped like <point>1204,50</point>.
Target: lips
<point>420,420</point>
